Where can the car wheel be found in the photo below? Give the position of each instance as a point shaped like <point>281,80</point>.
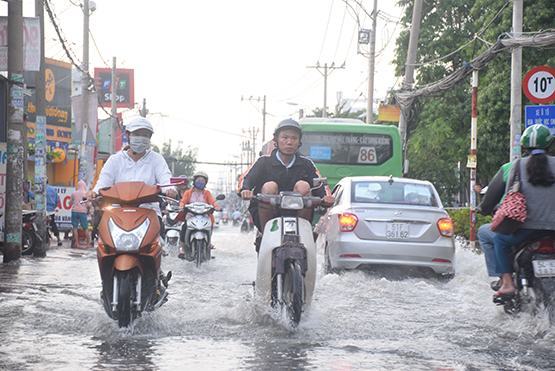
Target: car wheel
<point>446,277</point>
<point>327,262</point>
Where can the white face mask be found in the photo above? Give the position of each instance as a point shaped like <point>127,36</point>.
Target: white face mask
<point>139,144</point>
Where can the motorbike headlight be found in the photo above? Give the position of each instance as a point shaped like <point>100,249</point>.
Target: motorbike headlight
<point>292,202</point>
<point>128,241</point>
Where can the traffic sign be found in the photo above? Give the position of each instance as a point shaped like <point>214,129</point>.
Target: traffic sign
<point>544,115</point>
<point>539,84</point>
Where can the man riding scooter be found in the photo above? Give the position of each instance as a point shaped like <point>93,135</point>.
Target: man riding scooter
<point>137,162</point>
<point>283,170</point>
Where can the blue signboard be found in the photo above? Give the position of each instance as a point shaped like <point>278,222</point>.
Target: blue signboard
<point>544,115</point>
<point>320,153</point>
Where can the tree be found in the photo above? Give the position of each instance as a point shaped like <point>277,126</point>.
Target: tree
<point>439,131</point>
<point>180,160</point>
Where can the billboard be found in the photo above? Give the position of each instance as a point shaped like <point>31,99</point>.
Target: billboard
<point>125,87</point>
<point>31,44</point>
<point>57,91</point>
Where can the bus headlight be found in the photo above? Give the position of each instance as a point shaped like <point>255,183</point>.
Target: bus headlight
<point>128,241</point>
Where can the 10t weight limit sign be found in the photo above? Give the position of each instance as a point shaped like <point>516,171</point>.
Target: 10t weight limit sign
<point>539,84</point>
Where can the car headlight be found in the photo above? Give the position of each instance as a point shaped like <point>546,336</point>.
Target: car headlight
<point>128,241</point>
<point>292,202</point>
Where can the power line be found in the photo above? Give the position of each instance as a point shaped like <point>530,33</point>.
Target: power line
<point>326,31</point>
<point>340,32</point>
<point>476,36</point>
<point>97,49</point>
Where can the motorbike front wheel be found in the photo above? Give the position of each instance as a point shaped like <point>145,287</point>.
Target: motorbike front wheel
<point>293,292</point>
<point>199,248</point>
<point>126,294</point>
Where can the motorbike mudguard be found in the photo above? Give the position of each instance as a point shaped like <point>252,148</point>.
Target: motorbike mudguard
<point>170,233</point>
<point>126,262</point>
<point>271,239</point>
<point>198,236</point>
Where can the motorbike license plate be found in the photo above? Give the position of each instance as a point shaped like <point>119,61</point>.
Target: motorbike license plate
<point>396,230</point>
<point>544,268</point>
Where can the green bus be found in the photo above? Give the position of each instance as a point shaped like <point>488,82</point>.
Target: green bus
<point>350,147</point>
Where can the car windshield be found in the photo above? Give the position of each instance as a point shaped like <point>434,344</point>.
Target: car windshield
<point>393,193</point>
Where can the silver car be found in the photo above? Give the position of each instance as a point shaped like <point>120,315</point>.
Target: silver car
<point>387,221</point>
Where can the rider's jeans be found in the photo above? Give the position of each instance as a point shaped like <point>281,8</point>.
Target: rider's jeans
<point>485,237</point>
<point>502,244</point>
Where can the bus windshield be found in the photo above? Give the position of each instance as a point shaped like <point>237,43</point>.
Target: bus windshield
<point>347,148</point>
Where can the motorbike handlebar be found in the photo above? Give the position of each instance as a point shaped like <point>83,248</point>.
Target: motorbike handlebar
<point>275,200</point>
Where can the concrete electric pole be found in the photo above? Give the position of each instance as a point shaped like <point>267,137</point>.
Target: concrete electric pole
<point>371,65</point>
<point>83,163</point>
<point>409,72</point>
<point>14,169</point>
<point>258,99</point>
<point>327,70</point>
<point>114,112</point>
<point>516,83</point>
<point>41,245</point>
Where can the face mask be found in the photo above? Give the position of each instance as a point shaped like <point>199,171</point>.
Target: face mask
<point>139,144</point>
<point>199,184</point>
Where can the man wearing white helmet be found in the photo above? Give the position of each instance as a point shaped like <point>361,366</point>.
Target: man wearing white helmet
<point>137,162</point>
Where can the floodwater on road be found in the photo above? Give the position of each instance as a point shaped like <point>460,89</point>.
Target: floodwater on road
<point>51,317</point>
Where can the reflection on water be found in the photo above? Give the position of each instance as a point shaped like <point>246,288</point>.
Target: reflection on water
<point>52,318</point>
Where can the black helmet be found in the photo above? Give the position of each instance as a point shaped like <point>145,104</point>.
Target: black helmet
<point>288,124</point>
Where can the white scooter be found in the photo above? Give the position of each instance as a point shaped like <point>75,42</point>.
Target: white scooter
<point>286,271</point>
<point>198,235</point>
<point>173,228</point>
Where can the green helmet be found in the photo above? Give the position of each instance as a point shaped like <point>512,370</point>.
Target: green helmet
<point>536,136</point>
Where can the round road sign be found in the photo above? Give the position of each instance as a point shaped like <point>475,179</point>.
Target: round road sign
<point>539,84</point>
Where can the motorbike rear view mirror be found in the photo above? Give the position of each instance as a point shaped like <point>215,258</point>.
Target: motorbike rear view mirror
<point>318,182</point>
<point>220,197</point>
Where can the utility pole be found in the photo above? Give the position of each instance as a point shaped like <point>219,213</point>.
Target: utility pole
<point>258,99</point>
<point>14,169</point>
<point>327,70</point>
<point>409,73</point>
<point>114,112</point>
<point>40,247</point>
<point>472,158</point>
<point>371,65</point>
<point>83,165</point>
<point>516,83</point>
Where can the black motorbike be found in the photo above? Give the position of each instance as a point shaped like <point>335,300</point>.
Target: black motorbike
<point>534,277</point>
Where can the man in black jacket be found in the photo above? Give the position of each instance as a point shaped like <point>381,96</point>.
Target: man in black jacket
<point>283,170</point>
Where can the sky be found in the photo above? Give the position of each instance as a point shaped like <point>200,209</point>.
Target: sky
<point>195,60</point>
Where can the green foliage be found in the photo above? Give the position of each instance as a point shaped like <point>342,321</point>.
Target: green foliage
<point>439,132</point>
<point>461,220</point>
<point>181,161</point>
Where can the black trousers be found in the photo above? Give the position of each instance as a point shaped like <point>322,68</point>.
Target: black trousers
<point>54,227</point>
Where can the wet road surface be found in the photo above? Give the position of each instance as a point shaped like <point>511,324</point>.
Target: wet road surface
<point>52,318</point>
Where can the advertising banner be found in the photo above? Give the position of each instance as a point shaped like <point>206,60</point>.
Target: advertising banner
<point>31,44</point>
<point>63,216</point>
<point>57,91</point>
<point>125,94</point>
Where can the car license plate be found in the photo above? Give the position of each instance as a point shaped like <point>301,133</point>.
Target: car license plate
<point>396,230</point>
<point>544,268</point>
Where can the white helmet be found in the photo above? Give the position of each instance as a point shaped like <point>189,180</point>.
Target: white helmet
<point>137,123</point>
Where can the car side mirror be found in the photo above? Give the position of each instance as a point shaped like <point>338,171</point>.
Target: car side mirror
<point>220,197</point>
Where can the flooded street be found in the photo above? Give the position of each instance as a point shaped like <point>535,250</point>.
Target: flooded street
<point>52,318</point>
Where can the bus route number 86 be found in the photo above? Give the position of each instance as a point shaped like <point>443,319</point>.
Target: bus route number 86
<point>367,155</point>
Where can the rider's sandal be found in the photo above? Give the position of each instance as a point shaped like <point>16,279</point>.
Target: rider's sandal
<point>502,298</point>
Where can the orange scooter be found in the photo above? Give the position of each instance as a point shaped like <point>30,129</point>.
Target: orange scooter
<point>129,253</point>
